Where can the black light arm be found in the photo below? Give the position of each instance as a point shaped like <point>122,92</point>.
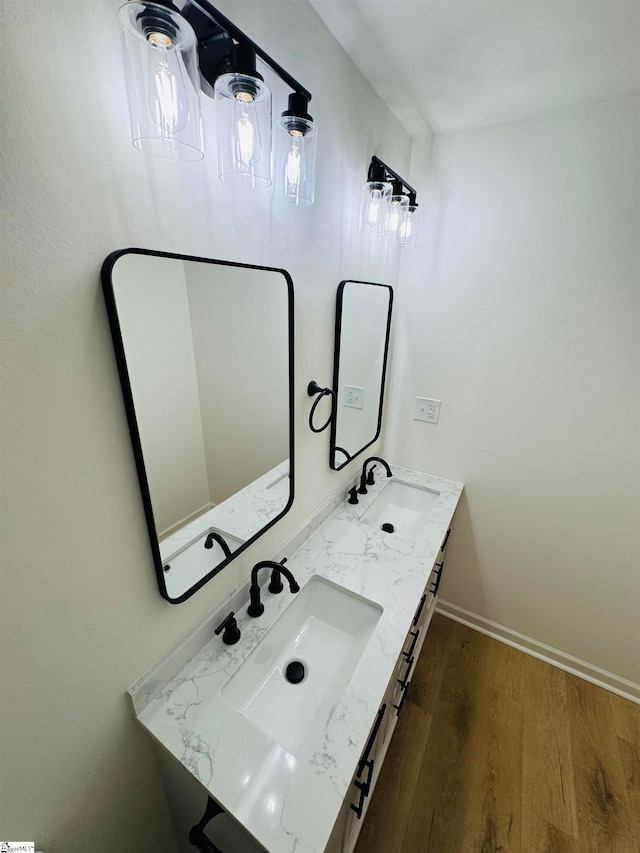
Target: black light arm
<point>379,171</point>
<point>208,36</point>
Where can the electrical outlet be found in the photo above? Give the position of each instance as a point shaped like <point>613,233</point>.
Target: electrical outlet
<point>354,396</point>
<point>427,410</point>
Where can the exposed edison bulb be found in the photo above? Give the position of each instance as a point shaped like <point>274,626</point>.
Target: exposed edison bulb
<point>247,143</point>
<point>409,226</point>
<point>167,99</point>
<point>294,169</point>
<point>394,217</point>
<point>294,158</point>
<point>406,229</point>
<point>375,208</point>
<point>406,233</point>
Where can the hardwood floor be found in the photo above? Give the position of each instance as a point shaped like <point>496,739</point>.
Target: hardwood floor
<point>498,752</point>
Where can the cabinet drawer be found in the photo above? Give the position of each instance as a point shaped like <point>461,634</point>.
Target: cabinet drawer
<point>363,779</point>
<point>419,611</point>
<point>402,684</point>
<point>444,541</point>
<point>369,752</point>
<point>436,576</point>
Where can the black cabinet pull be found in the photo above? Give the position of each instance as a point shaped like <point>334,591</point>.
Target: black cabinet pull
<point>436,583</point>
<point>364,758</point>
<point>398,707</point>
<point>196,835</point>
<point>364,787</point>
<point>415,635</point>
<point>358,809</point>
<point>419,610</point>
<point>446,539</point>
<point>366,784</point>
<point>403,681</point>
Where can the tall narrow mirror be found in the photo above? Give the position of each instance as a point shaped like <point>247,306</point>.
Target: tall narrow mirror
<point>363,323</point>
<point>205,355</point>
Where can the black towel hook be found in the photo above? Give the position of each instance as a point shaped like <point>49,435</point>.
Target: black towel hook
<point>312,389</point>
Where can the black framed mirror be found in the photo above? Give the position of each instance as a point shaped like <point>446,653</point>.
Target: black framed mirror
<point>204,350</point>
<point>363,326</point>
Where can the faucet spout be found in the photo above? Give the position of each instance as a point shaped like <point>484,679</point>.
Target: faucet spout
<point>276,581</point>
<point>216,537</point>
<point>256,607</point>
<point>363,478</point>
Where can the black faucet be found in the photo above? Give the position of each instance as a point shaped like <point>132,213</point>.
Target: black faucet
<point>216,537</point>
<point>363,479</point>
<point>256,607</point>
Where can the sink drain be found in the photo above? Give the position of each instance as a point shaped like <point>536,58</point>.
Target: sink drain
<point>388,527</point>
<point>295,672</point>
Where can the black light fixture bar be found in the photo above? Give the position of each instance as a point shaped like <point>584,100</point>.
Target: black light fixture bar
<point>390,173</point>
<point>221,21</point>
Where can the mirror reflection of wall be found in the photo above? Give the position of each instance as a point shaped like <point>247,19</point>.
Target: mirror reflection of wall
<point>206,352</point>
<point>363,319</point>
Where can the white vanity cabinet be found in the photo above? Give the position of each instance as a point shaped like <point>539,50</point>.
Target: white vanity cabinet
<point>347,827</point>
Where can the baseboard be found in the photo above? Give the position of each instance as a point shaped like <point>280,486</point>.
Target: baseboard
<point>628,689</point>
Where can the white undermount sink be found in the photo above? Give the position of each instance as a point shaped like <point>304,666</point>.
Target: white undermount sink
<point>184,567</point>
<point>403,506</point>
<point>326,628</point>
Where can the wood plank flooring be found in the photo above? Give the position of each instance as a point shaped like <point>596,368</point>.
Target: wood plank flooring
<point>498,752</point>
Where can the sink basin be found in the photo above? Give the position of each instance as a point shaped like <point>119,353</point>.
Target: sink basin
<point>186,566</point>
<point>326,629</point>
<point>403,506</point>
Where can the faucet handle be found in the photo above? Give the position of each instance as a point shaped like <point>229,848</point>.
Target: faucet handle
<point>231,631</point>
<point>353,495</point>
<point>275,584</point>
<point>370,478</point>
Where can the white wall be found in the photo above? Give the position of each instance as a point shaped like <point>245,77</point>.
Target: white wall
<point>155,322</point>
<point>241,342</point>
<point>81,613</point>
<point>520,312</point>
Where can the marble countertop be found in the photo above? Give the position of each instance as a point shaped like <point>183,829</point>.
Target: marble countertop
<point>240,515</point>
<point>287,804</point>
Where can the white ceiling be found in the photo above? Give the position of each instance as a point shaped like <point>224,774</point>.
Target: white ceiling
<point>450,65</point>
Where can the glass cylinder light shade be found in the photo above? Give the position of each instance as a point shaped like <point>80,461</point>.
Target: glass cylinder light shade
<point>295,142</point>
<point>373,207</point>
<point>243,118</point>
<point>163,82</point>
<point>409,227</point>
<point>397,207</point>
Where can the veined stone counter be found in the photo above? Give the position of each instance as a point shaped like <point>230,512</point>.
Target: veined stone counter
<point>241,515</point>
<point>287,804</point>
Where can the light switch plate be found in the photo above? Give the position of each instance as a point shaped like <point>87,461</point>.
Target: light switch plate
<point>427,410</point>
<point>354,396</point>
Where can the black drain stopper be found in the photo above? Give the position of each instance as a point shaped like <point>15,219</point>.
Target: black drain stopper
<point>295,672</point>
<point>388,527</point>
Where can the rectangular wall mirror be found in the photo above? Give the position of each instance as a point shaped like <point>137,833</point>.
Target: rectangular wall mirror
<point>205,354</point>
<point>363,324</point>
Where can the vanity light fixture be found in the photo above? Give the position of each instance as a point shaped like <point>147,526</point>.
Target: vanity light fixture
<point>295,138</point>
<point>397,208</point>
<point>409,229</point>
<point>373,200</point>
<point>388,206</point>
<point>171,54</point>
